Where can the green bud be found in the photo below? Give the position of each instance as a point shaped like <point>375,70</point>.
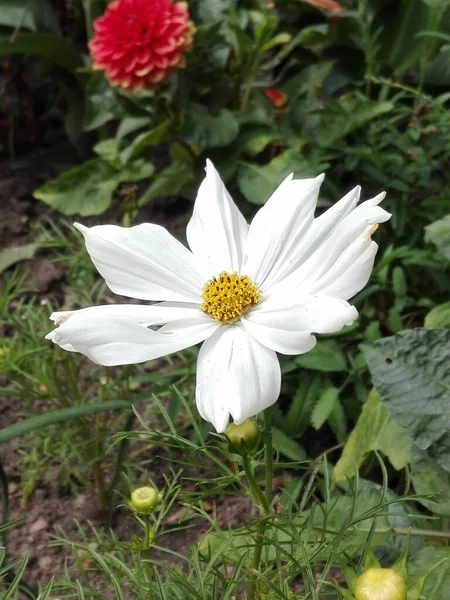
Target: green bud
<point>380,584</point>
<point>244,437</point>
<point>144,499</point>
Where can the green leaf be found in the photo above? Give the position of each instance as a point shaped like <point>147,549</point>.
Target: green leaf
<point>258,182</point>
<point>430,479</point>
<point>103,103</point>
<point>146,140</point>
<point>15,254</point>
<point>411,372</point>
<point>53,48</point>
<point>108,149</point>
<point>439,316</point>
<point>374,430</point>
<point>432,562</point>
<point>88,188</point>
<point>325,356</point>
<point>397,25</point>
<point>324,407</point>
<point>212,11</point>
<point>253,141</point>
<point>439,233</point>
<point>84,190</point>
<point>287,446</point>
<point>305,398</point>
<point>205,130</point>
<point>347,115</point>
<point>176,179</point>
<point>29,14</point>
<point>56,416</point>
<point>437,71</point>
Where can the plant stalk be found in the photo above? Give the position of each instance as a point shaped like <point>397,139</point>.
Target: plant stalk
<point>265,506</point>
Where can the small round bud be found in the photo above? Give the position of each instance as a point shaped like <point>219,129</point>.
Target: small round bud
<point>380,584</point>
<point>243,437</point>
<point>144,499</point>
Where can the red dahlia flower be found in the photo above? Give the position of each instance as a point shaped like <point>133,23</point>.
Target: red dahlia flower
<point>138,42</point>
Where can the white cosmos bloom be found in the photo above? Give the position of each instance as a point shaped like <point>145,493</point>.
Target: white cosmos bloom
<point>247,292</point>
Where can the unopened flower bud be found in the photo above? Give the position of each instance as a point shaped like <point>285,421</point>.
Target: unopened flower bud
<point>144,499</point>
<point>243,437</point>
<point>380,584</point>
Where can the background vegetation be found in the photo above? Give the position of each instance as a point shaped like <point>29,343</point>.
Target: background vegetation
<point>361,429</point>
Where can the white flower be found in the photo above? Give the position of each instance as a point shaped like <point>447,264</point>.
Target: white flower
<point>247,292</point>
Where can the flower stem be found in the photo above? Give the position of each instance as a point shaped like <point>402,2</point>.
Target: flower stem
<point>256,493</point>
<point>269,453</point>
<point>265,506</point>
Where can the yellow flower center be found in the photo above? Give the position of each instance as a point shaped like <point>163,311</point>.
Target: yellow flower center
<point>229,296</point>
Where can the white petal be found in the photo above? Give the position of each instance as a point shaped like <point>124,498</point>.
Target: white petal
<point>144,314</point>
<point>275,234</point>
<point>235,375</point>
<point>143,262</point>
<point>120,336</point>
<point>217,231</point>
<point>350,273</point>
<point>353,225</point>
<point>281,339</point>
<point>337,243</point>
<point>286,324</point>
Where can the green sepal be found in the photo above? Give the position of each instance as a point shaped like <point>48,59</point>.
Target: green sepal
<point>400,565</point>
<point>371,561</point>
<point>344,594</point>
<point>351,577</point>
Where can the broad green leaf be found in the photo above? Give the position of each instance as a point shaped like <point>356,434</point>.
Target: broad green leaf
<point>146,140</point>
<point>17,14</point>
<point>29,14</point>
<point>374,430</point>
<point>411,371</point>
<point>258,182</point>
<point>108,149</point>
<point>212,11</point>
<point>206,130</point>
<point>432,562</point>
<point>88,188</point>
<point>287,446</point>
<point>254,140</point>
<point>439,316</point>
<point>84,190</point>
<point>103,103</point>
<point>439,233</point>
<point>324,407</point>
<point>368,509</point>
<point>15,254</point>
<point>54,48</point>
<point>430,479</point>
<point>325,356</point>
<point>176,179</point>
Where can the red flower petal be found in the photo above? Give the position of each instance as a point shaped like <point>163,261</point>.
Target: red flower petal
<point>277,97</point>
<point>138,42</point>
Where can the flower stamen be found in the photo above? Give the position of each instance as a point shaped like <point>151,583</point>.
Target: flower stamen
<point>229,296</point>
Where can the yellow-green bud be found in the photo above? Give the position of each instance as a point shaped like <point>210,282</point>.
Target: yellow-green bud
<point>242,437</point>
<point>380,584</point>
<point>144,499</point>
